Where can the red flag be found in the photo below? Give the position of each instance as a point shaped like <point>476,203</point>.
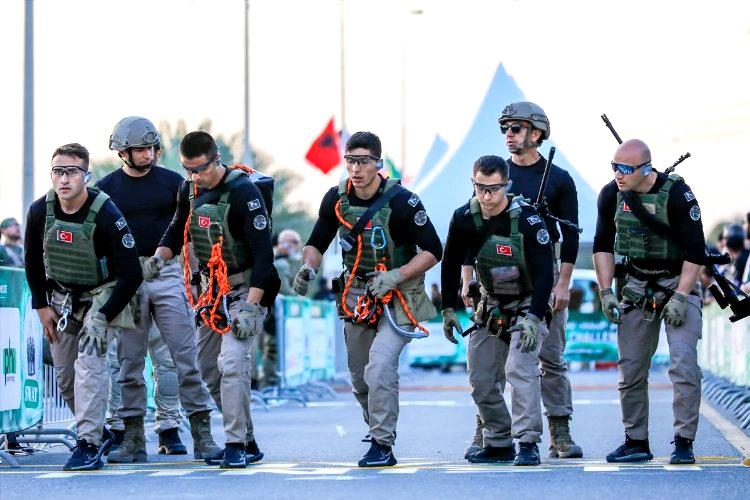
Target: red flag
<point>324,152</point>
<point>64,236</point>
<point>504,250</point>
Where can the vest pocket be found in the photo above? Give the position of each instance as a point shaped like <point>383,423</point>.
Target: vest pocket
<point>417,300</point>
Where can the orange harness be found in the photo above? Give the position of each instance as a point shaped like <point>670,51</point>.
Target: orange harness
<point>218,282</point>
<point>369,308</point>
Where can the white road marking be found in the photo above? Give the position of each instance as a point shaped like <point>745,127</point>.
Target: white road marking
<point>340,430</point>
<point>601,468</point>
<point>400,470</point>
<point>170,473</point>
<point>682,467</point>
<point>731,432</point>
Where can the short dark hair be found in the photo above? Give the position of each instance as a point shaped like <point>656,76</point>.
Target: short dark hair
<point>366,140</point>
<point>491,164</point>
<point>198,143</point>
<point>73,149</point>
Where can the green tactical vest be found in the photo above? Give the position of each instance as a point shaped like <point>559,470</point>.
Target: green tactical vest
<point>636,241</point>
<point>394,256</point>
<point>69,254</point>
<point>500,262</point>
<point>209,221</point>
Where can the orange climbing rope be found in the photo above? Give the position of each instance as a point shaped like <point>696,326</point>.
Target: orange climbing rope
<point>369,309</point>
<point>208,302</point>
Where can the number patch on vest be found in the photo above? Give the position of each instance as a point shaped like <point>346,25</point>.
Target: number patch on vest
<point>203,221</point>
<point>259,222</point>
<point>253,204</point>
<point>128,241</point>
<point>64,236</point>
<point>121,223</point>
<point>413,200</point>
<point>542,236</point>
<point>695,212</point>
<point>534,219</point>
<point>504,250</point>
<point>420,218</point>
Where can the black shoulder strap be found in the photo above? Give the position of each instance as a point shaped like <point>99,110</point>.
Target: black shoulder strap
<point>348,241</point>
<point>493,223</point>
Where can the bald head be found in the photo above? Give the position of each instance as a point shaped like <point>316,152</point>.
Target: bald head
<point>633,152</point>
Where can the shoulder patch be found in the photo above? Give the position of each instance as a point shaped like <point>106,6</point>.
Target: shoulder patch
<point>260,222</point>
<point>413,200</point>
<point>121,223</point>
<point>542,236</point>
<point>420,218</point>
<point>534,219</point>
<point>695,212</point>
<point>128,241</point>
<point>253,204</point>
<point>689,196</point>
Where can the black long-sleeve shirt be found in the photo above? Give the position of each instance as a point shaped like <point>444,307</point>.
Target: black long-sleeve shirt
<point>462,244</point>
<point>148,203</point>
<point>247,220</point>
<point>111,240</point>
<point>562,199</point>
<point>408,224</point>
<point>683,214</point>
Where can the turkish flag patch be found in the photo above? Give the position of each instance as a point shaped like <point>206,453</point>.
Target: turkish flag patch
<point>505,250</point>
<point>64,236</point>
<point>625,207</point>
<point>368,225</point>
<point>204,222</point>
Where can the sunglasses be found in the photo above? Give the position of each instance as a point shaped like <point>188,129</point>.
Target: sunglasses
<point>352,160</point>
<point>71,172</point>
<point>489,188</point>
<point>628,169</point>
<point>200,168</point>
<point>515,128</point>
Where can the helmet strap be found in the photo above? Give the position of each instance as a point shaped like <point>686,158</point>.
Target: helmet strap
<point>144,168</point>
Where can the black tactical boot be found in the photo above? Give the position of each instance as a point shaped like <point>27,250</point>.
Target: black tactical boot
<point>477,442</point>
<point>86,456</point>
<point>632,450</point>
<point>204,445</point>
<point>117,438</point>
<point>528,454</point>
<point>170,444</point>
<point>133,448</point>
<point>683,451</point>
<point>493,455</point>
<point>234,457</point>
<point>252,452</point>
<point>378,456</point>
<point>561,445</point>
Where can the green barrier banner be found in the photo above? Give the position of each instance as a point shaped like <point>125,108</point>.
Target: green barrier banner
<point>724,349</point>
<point>590,337</point>
<point>22,385</point>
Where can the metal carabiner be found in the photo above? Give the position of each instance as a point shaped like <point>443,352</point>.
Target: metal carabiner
<point>376,230</point>
<point>416,334</point>
<point>65,311</point>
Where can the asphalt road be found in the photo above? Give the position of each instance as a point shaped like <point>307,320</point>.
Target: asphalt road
<point>312,452</point>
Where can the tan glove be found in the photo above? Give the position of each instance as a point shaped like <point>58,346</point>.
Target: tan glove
<point>305,275</point>
<point>610,306</point>
<point>249,322</point>
<point>529,328</point>
<point>382,282</point>
<point>674,312</point>
<point>450,321</point>
<point>152,267</point>
<point>94,335</point>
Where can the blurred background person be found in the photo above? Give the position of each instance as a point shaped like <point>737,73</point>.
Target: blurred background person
<point>11,244</point>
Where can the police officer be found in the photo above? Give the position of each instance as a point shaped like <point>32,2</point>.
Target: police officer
<point>654,220</point>
<point>147,195</point>
<point>82,268</point>
<point>228,225</point>
<point>400,237</point>
<point>525,126</point>
<point>510,247</point>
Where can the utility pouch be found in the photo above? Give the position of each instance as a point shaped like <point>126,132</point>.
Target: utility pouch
<point>506,280</point>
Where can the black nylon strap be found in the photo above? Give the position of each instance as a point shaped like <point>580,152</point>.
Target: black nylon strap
<point>350,239</point>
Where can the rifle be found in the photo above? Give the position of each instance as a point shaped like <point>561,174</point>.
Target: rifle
<point>475,295</point>
<point>541,200</point>
<point>724,291</point>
